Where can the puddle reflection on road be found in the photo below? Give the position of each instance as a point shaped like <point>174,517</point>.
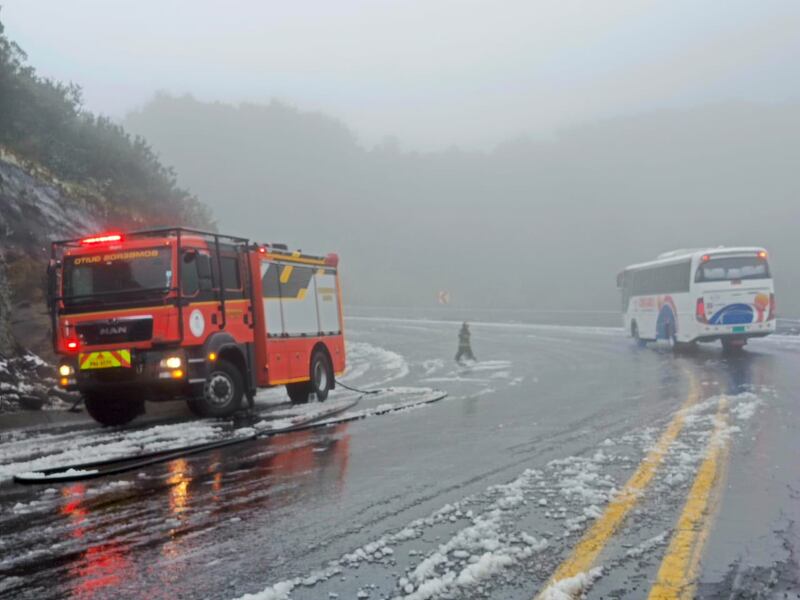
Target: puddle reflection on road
<point>179,510</point>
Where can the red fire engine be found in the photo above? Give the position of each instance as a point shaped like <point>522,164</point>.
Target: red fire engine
<point>179,313</point>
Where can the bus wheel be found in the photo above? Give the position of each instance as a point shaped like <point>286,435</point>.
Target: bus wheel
<point>299,392</point>
<point>321,375</point>
<point>635,335</point>
<point>111,410</point>
<point>222,391</point>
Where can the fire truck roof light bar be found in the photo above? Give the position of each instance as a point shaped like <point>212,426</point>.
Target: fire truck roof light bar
<point>101,239</point>
<point>161,231</point>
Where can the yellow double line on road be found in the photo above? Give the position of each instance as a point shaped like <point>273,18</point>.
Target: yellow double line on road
<point>585,553</point>
<point>678,571</point>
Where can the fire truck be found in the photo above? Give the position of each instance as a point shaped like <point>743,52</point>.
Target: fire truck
<point>177,313</point>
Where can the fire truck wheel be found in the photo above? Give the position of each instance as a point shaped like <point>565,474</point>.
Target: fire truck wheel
<point>321,375</point>
<point>222,391</point>
<point>113,409</point>
<point>299,392</point>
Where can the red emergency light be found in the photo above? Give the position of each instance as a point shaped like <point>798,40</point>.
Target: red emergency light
<point>72,345</point>
<point>102,239</point>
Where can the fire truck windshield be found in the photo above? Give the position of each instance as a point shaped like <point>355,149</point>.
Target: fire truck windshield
<point>115,276</point>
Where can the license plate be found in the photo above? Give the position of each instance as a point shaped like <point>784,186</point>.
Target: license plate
<point>105,359</point>
<point>739,329</point>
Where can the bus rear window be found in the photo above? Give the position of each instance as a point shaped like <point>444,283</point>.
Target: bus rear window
<point>732,268</point>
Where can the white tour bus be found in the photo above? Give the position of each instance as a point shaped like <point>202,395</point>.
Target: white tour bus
<point>690,296</point>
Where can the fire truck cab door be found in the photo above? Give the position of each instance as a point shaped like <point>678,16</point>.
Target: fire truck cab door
<point>201,315</point>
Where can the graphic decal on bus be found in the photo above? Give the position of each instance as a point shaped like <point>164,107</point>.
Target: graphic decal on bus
<point>761,304</point>
<point>734,314</point>
<point>667,323</point>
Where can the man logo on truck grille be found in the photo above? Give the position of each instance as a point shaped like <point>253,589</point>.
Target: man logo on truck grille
<point>197,324</point>
<point>113,330</point>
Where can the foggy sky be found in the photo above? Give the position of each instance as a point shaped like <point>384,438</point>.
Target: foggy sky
<point>531,224</point>
<point>433,74</point>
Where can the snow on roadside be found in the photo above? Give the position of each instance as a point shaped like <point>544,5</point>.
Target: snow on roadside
<point>26,381</point>
<point>31,453</point>
<point>487,544</point>
<point>37,453</point>
<point>390,365</point>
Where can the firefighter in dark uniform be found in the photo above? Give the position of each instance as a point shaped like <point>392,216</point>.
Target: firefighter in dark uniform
<point>464,347</point>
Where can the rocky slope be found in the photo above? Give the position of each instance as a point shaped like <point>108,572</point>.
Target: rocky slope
<point>36,208</point>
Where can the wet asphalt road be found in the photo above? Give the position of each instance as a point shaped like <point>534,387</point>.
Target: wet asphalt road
<point>484,494</point>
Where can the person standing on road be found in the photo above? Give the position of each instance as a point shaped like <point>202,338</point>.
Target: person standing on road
<point>464,347</point>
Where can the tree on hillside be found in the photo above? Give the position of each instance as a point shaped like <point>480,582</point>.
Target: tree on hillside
<point>44,121</point>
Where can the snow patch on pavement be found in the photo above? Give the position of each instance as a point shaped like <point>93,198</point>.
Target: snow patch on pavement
<point>647,545</point>
<point>390,365</point>
<point>572,587</point>
<point>431,366</point>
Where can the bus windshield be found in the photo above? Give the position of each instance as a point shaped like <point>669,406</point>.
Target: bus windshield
<point>92,278</point>
<point>733,268</point>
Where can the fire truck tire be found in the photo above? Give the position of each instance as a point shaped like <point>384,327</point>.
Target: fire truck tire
<point>112,410</point>
<point>222,391</point>
<point>321,375</point>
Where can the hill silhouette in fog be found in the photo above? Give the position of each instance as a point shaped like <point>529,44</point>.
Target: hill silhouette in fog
<point>533,223</point>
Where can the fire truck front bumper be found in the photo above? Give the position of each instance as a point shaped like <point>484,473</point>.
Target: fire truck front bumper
<point>161,372</point>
